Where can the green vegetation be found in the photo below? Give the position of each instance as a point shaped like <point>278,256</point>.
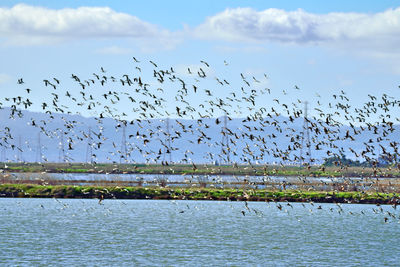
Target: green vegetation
<point>63,191</point>
<point>381,161</point>
<point>329,169</point>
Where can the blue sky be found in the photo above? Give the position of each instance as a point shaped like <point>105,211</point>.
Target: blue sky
<point>323,48</point>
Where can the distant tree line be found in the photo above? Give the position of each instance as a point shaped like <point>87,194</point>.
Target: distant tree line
<point>381,161</point>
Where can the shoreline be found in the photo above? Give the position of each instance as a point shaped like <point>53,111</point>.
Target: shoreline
<point>116,192</point>
<point>202,169</point>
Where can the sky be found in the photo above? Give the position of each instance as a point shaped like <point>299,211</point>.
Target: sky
<point>321,47</point>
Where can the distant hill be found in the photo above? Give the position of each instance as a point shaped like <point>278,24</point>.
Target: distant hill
<point>147,141</point>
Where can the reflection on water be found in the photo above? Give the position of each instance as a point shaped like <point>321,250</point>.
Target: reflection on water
<point>151,232</point>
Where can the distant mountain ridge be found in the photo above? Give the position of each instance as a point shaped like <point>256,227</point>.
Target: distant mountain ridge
<point>34,137</point>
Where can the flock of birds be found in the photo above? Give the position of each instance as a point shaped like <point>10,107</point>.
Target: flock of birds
<point>195,100</point>
<point>389,213</point>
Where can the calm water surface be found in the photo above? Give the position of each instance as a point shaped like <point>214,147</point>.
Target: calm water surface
<point>178,177</point>
<point>151,232</point>
<point>219,181</point>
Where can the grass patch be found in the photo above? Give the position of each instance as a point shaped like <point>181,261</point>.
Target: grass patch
<point>65,191</point>
<point>203,169</point>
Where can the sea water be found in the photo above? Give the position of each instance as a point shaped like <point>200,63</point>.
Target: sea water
<point>76,232</point>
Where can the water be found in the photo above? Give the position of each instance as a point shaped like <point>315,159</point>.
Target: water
<point>220,181</point>
<point>178,177</point>
<point>152,232</point>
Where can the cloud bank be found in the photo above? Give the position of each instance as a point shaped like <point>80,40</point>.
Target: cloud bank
<point>26,24</point>
<point>41,25</point>
<point>299,27</point>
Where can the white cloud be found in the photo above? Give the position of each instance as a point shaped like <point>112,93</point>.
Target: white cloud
<point>379,30</point>
<point>24,24</point>
<point>248,49</point>
<point>374,34</point>
<point>114,50</point>
<point>4,78</point>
